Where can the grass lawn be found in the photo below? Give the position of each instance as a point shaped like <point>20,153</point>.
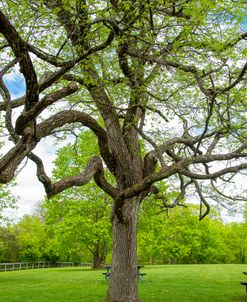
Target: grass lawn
<point>178,283</point>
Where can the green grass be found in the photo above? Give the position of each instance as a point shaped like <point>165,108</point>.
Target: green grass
<point>180,283</point>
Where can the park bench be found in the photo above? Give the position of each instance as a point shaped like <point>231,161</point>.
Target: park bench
<point>140,276</point>
<point>244,283</point>
<point>107,275</point>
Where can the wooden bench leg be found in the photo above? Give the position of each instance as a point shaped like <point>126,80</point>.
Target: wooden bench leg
<point>140,276</point>
<point>107,275</point>
<point>244,283</point>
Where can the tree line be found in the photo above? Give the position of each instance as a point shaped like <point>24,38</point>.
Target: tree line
<point>162,239</point>
<point>76,225</point>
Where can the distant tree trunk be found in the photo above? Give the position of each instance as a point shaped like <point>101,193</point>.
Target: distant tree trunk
<point>96,257</point>
<point>242,255</point>
<point>99,254</point>
<point>123,280</point>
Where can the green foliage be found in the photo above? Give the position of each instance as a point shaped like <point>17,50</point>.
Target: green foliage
<point>73,228</point>
<point>25,240</point>
<point>236,239</point>
<point>9,247</point>
<point>182,238</point>
<point>72,158</point>
<point>77,223</point>
<point>78,219</point>
<point>31,237</point>
<point>7,200</point>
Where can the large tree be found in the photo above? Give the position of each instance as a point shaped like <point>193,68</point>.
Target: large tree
<point>172,73</point>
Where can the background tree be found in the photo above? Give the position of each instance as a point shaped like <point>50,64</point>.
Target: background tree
<point>7,201</point>
<point>79,221</point>
<point>180,64</point>
<point>180,237</point>
<point>236,239</point>
<point>31,237</point>
<point>25,240</point>
<point>79,218</point>
<point>9,247</point>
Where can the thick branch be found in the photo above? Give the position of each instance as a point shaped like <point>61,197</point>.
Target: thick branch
<point>14,104</point>
<point>21,53</point>
<point>78,180</point>
<point>68,117</point>
<point>109,114</point>
<point>62,71</point>
<point>10,162</point>
<point>181,167</point>
<point>123,61</point>
<point>48,100</point>
<point>94,168</point>
<point>71,116</point>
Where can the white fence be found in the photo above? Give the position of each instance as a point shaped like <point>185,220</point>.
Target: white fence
<point>36,265</point>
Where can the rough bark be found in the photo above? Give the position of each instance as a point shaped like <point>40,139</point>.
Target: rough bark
<point>26,66</point>
<point>10,162</point>
<point>123,280</point>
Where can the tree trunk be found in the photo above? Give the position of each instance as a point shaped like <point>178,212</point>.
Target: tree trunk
<point>99,254</point>
<point>96,257</point>
<point>123,280</point>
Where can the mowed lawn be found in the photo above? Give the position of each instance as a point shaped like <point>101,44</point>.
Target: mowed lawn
<point>178,283</point>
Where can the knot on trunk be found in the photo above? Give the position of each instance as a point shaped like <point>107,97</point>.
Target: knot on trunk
<point>150,163</point>
<point>117,212</point>
<point>21,123</point>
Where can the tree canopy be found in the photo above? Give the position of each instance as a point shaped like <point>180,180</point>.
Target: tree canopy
<point>172,73</point>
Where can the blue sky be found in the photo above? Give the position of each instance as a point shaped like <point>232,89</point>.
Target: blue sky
<point>28,188</point>
<point>15,83</point>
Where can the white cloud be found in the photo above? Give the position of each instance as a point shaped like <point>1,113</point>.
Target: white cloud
<point>28,188</point>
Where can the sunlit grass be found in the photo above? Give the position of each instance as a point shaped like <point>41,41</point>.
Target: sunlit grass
<point>194,283</point>
<point>180,283</point>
